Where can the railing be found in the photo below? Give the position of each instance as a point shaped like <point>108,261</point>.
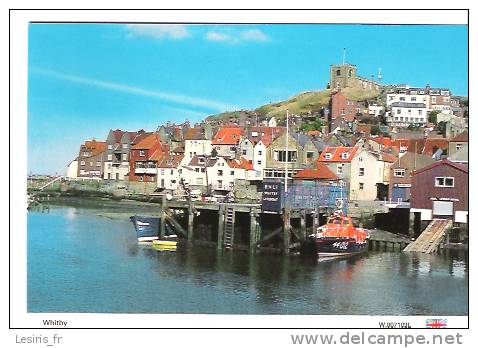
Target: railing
<point>50,182</point>
<point>83,178</point>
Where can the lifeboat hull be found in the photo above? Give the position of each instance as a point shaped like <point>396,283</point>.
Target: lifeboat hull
<point>338,247</point>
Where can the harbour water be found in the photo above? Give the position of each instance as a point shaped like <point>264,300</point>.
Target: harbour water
<point>87,260</point>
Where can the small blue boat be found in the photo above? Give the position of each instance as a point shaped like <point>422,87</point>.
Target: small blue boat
<point>147,227</point>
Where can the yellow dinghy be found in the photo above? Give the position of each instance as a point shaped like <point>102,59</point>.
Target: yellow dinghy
<point>166,245</point>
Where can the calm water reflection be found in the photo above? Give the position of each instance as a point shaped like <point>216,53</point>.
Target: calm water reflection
<point>81,262</point>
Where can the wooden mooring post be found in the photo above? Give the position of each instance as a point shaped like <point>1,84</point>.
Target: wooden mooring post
<point>303,224</point>
<point>190,222</point>
<point>253,231</point>
<point>286,231</point>
<point>162,228</point>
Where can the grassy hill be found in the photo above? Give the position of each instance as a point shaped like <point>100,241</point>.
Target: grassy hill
<point>301,104</point>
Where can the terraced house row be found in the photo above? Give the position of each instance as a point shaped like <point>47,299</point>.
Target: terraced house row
<point>175,157</point>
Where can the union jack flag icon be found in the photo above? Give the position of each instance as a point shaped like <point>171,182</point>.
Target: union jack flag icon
<point>436,323</point>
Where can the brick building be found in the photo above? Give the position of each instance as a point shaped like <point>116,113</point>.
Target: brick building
<point>342,107</point>
<point>91,158</point>
<point>440,190</point>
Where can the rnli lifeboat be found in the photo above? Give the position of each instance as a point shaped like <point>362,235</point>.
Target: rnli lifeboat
<point>339,237</point>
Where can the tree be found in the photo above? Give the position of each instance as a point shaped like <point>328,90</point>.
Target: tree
<point>441,127</point>
<point>432,118</point>
<point>317,124</point>
<point>375,130</point>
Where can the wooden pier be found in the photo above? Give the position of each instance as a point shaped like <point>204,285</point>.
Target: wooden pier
<point>290,227</point>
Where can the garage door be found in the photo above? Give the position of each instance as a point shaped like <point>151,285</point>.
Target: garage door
<point>442,208</point>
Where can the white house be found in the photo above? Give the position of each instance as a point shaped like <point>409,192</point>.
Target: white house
<point>72,169</point>
<point>272,122</point>
<point>216,173</point>
<point>375,110</point>
<point>405,114</point>
<point>196,143</point>
<point>260,159</point>
<point>408,95</point>
<point>169,172</point>
<point>364,175</point>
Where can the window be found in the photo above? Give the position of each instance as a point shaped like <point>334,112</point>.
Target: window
<point>399,111</point>
<point>328,156</point>
<point>259,163</point>
<point>361,186</point>
<point>232,172</point>
<point>310,155</point>
<point>125,157</point>
<point>337,72</point>
<point>390,98</point>
<point>110,157</point>
<point>232,148</point>
<point>402,98</point>
<point>361,171</point>
<point>458,147</point>
<point>125,146</point>
<point>419,112</point>
<point>110,147</point>
<point>180,171</point>
<point>82,163</point>
<point>141,153</point>
<point>171,171</point>
<point>360,159</point>
<point>444,182</point>
<point>203,170</point>
<point>339,169</point>
<point>201,160</point>
<point>399,173</point>
<point>244,152</point>
<point>162,171</point>
<point>196,170</point>
<point>280,155</point>
<point>413,99</point>
<point>141,178</point>
<point>219,172</point>
<point>98,163</point>
<point>91,163</point>
<point>345,155</point>
<point>259,152</point>
<point>409,112</point>
<point>254,134</point>
<point>434,100</point>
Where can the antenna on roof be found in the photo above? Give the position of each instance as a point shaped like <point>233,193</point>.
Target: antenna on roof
<point>343,58</point>
<point>379,75</point>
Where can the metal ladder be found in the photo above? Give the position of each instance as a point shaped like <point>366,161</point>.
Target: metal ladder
<point>229,228</point>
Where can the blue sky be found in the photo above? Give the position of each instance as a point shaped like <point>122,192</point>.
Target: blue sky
<point>85,79</point>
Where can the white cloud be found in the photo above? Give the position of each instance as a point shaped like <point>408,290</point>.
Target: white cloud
<point>158,31</point>
<point>237,36</point>
<point>254,35</point>
<point>171,97</point>
<point>218,36</point>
